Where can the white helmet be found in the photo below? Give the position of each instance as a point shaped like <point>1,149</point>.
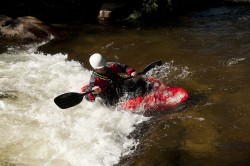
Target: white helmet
<point>97,61</point>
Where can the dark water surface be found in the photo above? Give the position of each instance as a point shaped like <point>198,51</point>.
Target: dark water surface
<point>210,52</point>
<point>213,46</point>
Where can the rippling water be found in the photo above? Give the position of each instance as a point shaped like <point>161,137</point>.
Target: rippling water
<point>205,52</point>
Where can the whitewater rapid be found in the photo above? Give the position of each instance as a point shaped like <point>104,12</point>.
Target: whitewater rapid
<point>34,131</point>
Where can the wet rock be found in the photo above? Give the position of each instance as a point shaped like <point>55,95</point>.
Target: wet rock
<point>113,11</point>
<point>26,28</point>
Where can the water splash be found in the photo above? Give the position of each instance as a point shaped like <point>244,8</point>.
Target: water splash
<point>234,61</point>
<point>170,71</point>
<point>35,131</point>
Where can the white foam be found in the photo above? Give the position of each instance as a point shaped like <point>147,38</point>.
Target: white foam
<point>34,131</point>
<point>2,105</point>
<point>234,61</point>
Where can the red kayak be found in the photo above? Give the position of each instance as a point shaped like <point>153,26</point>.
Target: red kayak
<point>161,97</point>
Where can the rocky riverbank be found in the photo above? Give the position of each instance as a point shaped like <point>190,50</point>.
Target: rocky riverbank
<point>27,21</point>
<point>82,11</point>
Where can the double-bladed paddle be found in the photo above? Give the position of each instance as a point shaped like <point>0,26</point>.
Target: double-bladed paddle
<point>71,99</point>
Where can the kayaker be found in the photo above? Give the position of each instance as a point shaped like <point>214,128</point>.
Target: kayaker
<point>107,82</point>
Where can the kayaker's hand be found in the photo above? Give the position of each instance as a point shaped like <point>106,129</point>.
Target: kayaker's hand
<point>133,74</point>
<point>96,90</point>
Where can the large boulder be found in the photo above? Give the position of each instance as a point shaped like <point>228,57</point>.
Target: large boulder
<point>26,28</point>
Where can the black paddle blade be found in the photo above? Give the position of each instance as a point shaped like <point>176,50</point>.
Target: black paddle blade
<point>68,100</point>
<point>151,66</point>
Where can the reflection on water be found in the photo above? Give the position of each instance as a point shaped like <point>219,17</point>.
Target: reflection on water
<point>209,53</point>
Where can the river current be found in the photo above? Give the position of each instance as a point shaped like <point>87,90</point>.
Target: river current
<point>205,52</point>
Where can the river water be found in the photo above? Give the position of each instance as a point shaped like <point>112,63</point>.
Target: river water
<point>205,52</point>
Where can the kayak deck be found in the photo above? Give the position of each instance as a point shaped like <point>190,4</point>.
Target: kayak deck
<point>162,97</point>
